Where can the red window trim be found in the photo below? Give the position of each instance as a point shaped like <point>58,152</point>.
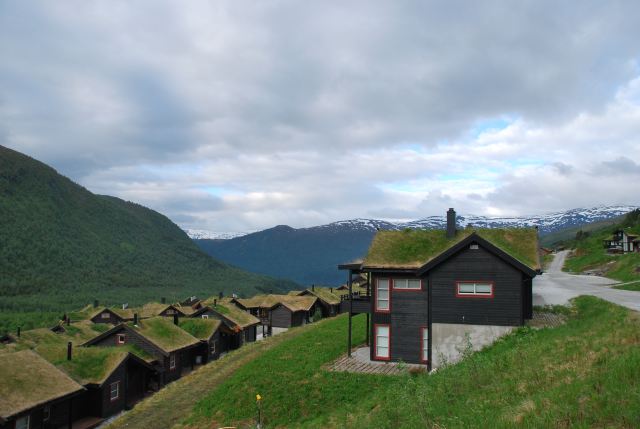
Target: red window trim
<point>393,282</point>
<point>464,295</point>
<point>111,389</point>
<point>375,337</point>
<point>423,359</point>
<point>375,295</point>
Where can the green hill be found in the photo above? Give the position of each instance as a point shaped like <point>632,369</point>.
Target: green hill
<point>589,253</point>
<point>62,247</point>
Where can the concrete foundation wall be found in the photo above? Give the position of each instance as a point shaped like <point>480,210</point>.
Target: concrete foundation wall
<point>448,340</point>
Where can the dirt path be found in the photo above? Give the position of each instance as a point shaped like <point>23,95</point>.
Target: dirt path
<point>557,287</point>
<point>170,405</point>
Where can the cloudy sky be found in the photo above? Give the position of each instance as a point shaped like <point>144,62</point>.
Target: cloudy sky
<point>240,115</point>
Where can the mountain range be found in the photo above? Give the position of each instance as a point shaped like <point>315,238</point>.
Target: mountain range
<point>311,255</point>
<point>63,246</point>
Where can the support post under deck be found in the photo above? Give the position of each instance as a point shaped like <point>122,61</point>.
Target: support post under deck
<point>350,312</point>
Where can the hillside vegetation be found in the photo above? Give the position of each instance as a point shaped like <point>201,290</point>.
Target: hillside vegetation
<point>585,373</point>
<point>589,253</point>
<point>62,247</point>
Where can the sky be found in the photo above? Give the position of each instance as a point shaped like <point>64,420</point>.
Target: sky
<point>241,115</point>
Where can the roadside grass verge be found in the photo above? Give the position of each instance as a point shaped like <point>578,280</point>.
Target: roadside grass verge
<point>585,373</point>
<point>635,286</point>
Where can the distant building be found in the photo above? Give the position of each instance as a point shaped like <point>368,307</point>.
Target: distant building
<point>622,242</point>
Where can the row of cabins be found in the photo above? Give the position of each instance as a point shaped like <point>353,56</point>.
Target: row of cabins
<point>78,373</point>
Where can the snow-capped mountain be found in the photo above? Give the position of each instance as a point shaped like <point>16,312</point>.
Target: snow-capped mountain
<point>546,223</point>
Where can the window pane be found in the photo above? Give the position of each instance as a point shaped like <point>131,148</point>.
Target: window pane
<point>483,288</point>
<point>466,288</point>
<point>383,304</point>
<point>382,331</point>
<point>383,294</point>
<point>414,284</point>
<point>383,283</point>
<point>382,352</point>
<point>425,334</point>
<point>382,341</point>
<point>400,283</point>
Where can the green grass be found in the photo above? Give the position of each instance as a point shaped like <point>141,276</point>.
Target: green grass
<point>585,373</point>
<point>634,286</point>
<point>590,254</point>
<point>413,248</point>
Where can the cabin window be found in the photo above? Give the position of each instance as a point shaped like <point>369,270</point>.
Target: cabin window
<point>46,413</point>
<point>474,289</point>
<point>381,341</point>
<point>382,295</point>
<point>104,315</point>
<point>205,316</point>
<point>121,339</point>
<point>407,284</point>
<point>115,390</point>
<point>170,312</point>
<point>213,347</point>
<point>23,422</point>
<point>172,362</point>
<point>474,247</point>
<point>424,353</point>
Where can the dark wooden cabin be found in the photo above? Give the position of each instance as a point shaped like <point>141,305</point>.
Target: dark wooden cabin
<point>238,325</point>
<point>41,395</point>
<point>111,315</point>
<point>208,331</point>
<point>328,299</point>
<point>296,311</point>
<point>171,349</point>
<point>622,242</point>
<point>421,279</point>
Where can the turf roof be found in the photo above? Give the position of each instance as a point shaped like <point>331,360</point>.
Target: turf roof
<point>89,365</point>
<point>163,333</point>
<point>232,312</point>
<point>325,294</point>
<point>201,329</point>
<point>292,302</point>
<point>28,380</point>
<point>411,249</point>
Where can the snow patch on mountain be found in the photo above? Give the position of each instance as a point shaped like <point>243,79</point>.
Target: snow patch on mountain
<point>546,223</point>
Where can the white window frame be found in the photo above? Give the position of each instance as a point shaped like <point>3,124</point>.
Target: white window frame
<point>172,361</point>
<point>403,284</point>
<point>424,338</point>
<point>114,388</point>
<point>205,316</point>
<point>387,300</point>
<point>377,337</point>
<point>121,338</point>
<point>105,315</point>
<point>23,422</point>
<point>213,347</point>
<point>475,292</point>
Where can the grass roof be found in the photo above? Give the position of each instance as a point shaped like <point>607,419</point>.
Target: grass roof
<point>28,380</point>
<point>201,329</point>
<point>326,295</point>
<point>293,302</point>
<point>88,364</point>
<point>164,334</point>
<point>232,312</point>
<point>413,248</point>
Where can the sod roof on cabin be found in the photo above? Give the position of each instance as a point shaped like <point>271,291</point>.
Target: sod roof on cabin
<point>28,380</point>
<point>164,334</point>
<point>412,249</point>
<point>292,302</point>
<point>89,365</point>
<point>201,329</point>
<point>325,294</point>
<point>232,312</point>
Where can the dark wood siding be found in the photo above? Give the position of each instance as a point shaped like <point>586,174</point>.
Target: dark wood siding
<point>109,407</point>
<point>131,338</point>
<point>504,309</point>
<point>112,318</point>
<point>58,417</point>
<point>281,317</point>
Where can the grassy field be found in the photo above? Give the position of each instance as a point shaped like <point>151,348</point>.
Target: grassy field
<point>585,373</point>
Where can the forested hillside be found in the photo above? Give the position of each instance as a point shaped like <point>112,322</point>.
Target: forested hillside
<point>62,247</point>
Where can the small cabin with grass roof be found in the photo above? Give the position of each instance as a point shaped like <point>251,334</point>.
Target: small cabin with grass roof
<point>113,316</point>
<point>171,347</point>
<point>328,299</point>
<point>34,393</point>
<point>280,311</point>
<point>208,332</point>
<point>432,288</point>
<point>239,326</point>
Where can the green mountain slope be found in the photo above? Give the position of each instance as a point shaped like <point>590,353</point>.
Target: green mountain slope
<point>589,253</point>
<point>62,246</point>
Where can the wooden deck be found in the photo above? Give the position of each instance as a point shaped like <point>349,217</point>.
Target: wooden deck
<point>359,362</point>
<point>546,320</point>
<point>86,423</point>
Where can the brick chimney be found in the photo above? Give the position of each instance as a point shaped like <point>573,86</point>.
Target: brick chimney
<point>451,223</point>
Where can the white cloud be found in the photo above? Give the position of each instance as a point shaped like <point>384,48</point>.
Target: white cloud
<point>242,115</point>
